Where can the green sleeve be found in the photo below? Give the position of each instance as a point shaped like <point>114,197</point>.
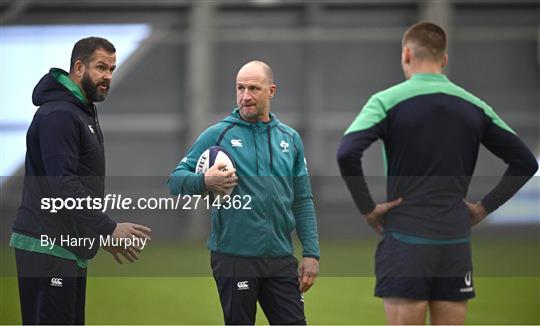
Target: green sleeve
<point>183,179</point>
<point>372,113</point>
<point>303,208</point>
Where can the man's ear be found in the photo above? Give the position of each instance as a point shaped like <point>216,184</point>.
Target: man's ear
<point>273,89</point>
<point>406,55</point>
<point>78,69</point>
<point>445,60</point>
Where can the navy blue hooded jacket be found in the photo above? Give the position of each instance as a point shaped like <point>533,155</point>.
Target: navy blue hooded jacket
<point>65,158</point>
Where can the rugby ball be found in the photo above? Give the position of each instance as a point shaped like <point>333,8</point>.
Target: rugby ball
<point>211,156</point>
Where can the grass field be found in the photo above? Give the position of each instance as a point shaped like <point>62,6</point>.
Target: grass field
<point>181,292</point>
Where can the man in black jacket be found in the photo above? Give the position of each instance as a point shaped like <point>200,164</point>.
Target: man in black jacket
<point>65,161</point>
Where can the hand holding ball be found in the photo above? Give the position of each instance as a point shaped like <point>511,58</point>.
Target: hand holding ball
<point>218,169</point>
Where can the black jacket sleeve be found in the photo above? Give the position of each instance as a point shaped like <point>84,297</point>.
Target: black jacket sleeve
<point>59,137</point>
<point>349,157</point>
<point>522,164</point>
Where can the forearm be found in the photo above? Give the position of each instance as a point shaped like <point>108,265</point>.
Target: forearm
<point>514,178</point>
<point>185,182</point>
<point>522,165</point>
<point>350,165</point>
<point>306,227</point>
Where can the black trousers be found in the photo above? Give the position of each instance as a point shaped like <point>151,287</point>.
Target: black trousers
<point>52,290</point>
<point>242,282</point>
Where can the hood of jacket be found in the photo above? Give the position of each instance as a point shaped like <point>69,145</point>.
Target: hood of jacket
<point>57,86</point>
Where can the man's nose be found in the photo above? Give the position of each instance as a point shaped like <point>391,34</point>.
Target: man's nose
<point>246,96</point>
<point>107,75</point>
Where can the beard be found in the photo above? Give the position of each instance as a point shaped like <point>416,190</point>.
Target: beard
<point>93,94</point>
<point>249,115</point>
<point>254,113</point>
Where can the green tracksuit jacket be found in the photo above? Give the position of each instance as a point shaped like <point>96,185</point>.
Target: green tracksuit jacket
<point>271,169</point>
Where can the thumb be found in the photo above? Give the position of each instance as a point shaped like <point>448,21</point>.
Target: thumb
<point>393,203</point>
<point>468,203</point>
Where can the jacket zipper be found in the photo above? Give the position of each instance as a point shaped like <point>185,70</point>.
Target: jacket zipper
<point>256,158</point>
<point>269,243</point>
<point>267,219</point>
<point>270,149</point>
<point>96,121</point>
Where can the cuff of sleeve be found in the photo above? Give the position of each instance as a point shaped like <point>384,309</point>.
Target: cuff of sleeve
<point>488,206</point>
<point>108,227</point>
<point>368,208</point>
<point>202,184</point>
<point>311,256</point>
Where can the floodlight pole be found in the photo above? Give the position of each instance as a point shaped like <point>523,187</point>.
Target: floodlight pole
<point>200,70</point>
<point>440,12</point>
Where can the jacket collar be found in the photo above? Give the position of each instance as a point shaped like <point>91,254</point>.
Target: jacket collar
<point>63,78</point>
<point>429,77</point>
<point>236,118</point>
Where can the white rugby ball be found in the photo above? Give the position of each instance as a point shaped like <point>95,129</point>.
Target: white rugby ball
<point>211,156</point>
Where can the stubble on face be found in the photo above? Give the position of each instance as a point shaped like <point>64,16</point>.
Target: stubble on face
<point>253,92</point>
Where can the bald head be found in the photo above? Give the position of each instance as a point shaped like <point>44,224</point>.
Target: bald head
<point>257,67</point>
<point>254,89</point>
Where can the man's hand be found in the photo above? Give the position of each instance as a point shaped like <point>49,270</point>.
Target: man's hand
<point>218,181</point>
<point>308,273</point>
<point>374,218</point>
<point>128,230</point>
<point>129,253</point>
<point>477,211</point>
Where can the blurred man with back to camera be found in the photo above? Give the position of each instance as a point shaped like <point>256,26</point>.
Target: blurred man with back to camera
<point>431,130</point>
<point>251,249</point>
<point>65,160</point>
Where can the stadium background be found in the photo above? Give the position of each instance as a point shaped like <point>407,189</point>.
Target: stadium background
<point>328,58</point>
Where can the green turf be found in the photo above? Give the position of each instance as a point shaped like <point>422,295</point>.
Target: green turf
<point>347,258</point>
<point>334,300</point>
<point>171,284</point>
